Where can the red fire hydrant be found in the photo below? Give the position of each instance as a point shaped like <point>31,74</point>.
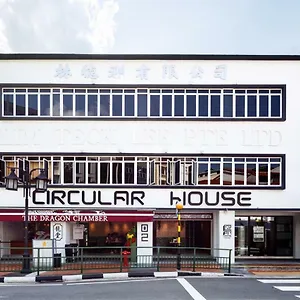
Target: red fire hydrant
<point>125,254</point>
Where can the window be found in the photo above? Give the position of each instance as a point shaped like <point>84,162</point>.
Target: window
<point>240,106</point>
<point>239,171</point>
<point>167,105</point>
<point>263,106</point>
<point>228,106</point>
<point>179,106</point>
<point>191,106</point>
<point>252,110</point>
<point>251,171</point>
<point>203,106</point>
<point>56,105</point>
<point>32,105</point>
<point>129,105</point>
<point>92,105</point>
<point>20,105</point>
<point>68,172</point>
<point>275,105</point>
<point>45,105</point>
<point>104,105</point>
<point>117,105</point>
<point>215,171</point>
<point>142,103</point>
<point>93,172</point>
<point>80,172</point>
<point>8,105</point>
<point>215,106</point>
<point>154,105</point>
<point>257,172</point>
<point>80,105</point>
<point>227,171</point>
<point>67,105</point>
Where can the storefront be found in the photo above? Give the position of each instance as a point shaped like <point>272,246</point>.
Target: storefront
<point>217,133</point>
<point>264,236</point>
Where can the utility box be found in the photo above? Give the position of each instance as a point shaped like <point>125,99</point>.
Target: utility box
<point>42,254</point>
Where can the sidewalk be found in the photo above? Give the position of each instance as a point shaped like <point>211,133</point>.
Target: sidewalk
<point>273,267</point>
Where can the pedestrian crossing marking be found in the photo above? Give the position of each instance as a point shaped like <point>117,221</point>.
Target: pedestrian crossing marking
<point>286,281</point>
<point>288,288</point>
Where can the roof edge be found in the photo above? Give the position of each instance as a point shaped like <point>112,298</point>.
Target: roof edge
<point>71,56</point>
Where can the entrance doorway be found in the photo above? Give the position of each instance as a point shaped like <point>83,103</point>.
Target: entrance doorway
<point>198,234</point>
<point>264,236</point>
<point>193,233</point>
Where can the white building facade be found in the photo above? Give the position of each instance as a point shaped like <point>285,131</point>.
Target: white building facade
<point>126,137</point>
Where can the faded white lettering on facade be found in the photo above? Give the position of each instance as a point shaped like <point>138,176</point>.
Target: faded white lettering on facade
<point>169,72</point>
<point>63,71</point>
<point>116,72</point>
<point>89,71</point>
<point>197,72</point>
<point>263,137</point>
<point>206,137</point>
<point>221,72</point>
<point>142,72</point>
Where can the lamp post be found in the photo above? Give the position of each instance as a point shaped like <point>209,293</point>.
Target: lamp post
<point>11,184</point>
<point>179,207</point>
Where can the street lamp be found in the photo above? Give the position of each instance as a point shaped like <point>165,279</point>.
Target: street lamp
<point>179,207</point>
<point>11,184</point>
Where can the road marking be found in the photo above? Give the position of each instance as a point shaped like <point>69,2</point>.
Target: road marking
<point>298,296</point>
<point>33,284</point>
<point>279,280</point>
<point>190,289</point>
<point>288,288</point>
<point>85,282</point>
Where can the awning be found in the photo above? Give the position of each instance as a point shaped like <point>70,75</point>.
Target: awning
<point>76,216</point>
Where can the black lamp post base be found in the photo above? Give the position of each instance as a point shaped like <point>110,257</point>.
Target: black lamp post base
<point>26,264</point>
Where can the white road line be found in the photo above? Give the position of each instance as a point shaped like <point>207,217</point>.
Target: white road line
<point>85,282</point>
<point>288,288</point>
<point>297,296</point>
<point>190,289</point>
<point>279,280</point>
<point>31,285</point>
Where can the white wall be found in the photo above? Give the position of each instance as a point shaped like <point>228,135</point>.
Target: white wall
<point>157,72</point>
<point>222,241</point>
<point>144,242</point>
<point>145,137</point>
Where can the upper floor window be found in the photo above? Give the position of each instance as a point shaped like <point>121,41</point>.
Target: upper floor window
<point>157,171</point>
<point>201,103</point>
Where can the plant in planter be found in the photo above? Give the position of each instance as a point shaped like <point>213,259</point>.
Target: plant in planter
<point>131,242</point>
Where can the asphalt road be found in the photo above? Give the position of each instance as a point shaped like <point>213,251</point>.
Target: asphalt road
<point>168,289</point>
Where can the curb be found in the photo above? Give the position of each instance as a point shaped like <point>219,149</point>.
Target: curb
<point>207,274</point>
<point>66,278</point>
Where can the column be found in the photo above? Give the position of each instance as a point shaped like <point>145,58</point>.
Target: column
<point>144,243</point>
<point>62,234</point>
<point>224,224</point>
<point>296,238</point>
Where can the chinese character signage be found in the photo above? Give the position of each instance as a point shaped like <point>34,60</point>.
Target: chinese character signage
<point>134,71</point>
<point>57,232</point>
<point>227,231</point>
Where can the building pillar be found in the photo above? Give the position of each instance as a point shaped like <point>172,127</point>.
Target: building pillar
<point>224,234</point>
<point>296,238</point>
<point>62,234</point>
<point>144,242</point>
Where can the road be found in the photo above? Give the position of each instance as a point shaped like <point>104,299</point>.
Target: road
<point>168,289</point>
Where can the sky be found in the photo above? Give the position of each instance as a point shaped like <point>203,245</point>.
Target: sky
<point>150,26</point>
